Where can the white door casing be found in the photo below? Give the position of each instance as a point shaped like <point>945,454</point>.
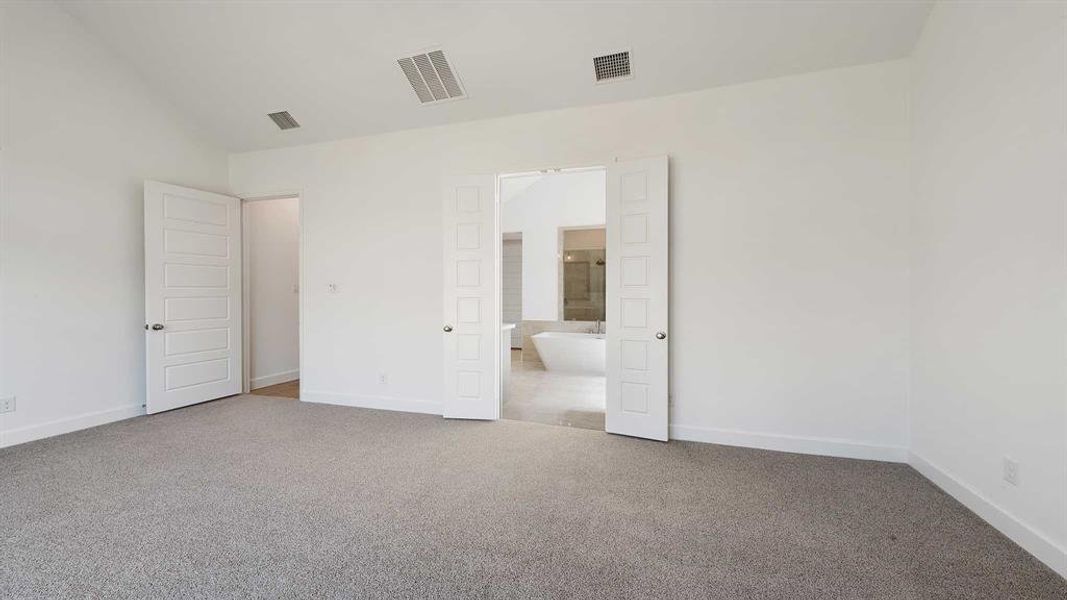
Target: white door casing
<point>471,328</point>
<point>637,357</point>
<point>192,296</point>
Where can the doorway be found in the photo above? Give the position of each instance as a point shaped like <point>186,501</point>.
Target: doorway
<point>271,285</point>
<point>552,290</point>
<point>477,369</point>
<point>222,302</point>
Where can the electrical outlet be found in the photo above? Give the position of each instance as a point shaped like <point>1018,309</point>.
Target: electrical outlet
<point>1011,471</point>
<point>7,404</point>
<point>332,288</point>
<point>383,378</point>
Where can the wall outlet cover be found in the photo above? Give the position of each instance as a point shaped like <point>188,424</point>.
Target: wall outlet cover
<point>7,404</point>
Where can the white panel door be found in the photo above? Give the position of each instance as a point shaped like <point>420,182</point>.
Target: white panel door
<point>192,296</point>
<point>471,327</point>
<point>637,298</point>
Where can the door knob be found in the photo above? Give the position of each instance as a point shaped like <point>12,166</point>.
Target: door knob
<point>157,326</point>
<point>448,328</point>
<point>660,335</point>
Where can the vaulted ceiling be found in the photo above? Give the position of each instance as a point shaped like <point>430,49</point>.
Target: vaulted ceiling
<point>333,64</point>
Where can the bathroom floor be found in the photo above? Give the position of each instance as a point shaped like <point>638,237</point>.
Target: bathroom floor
<point>553,398</point>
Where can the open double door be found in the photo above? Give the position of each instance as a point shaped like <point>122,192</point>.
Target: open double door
<point>637,358</point>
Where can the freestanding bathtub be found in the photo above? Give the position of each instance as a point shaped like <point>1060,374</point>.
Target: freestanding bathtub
<point>571,352</point>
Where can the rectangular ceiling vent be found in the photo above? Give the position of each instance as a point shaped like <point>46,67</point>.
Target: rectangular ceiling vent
<point>612,67</point>
<point>431,77</point>
<point>284,120</point>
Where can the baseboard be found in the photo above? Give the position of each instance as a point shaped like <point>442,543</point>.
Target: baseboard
<point>790,443</point>
<point>378,402</point>
<point>274,379</point>
<point>1019,532</point>
<point>30,433</point>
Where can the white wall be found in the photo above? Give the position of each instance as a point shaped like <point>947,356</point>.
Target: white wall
<point>538,209</point>
<point>272,231</point>
<point>79,133</point>
<point>788,251</point>
<point>988,297</point>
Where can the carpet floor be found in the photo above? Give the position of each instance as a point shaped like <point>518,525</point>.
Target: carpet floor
<point>265,497</point>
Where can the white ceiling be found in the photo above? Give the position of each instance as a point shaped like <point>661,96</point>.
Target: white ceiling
<point>333,64</point>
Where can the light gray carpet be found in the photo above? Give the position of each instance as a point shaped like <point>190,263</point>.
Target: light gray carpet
<point>268,497</point>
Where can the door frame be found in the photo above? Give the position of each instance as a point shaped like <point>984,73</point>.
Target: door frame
<point>498,275</point>
<point>246,281</point>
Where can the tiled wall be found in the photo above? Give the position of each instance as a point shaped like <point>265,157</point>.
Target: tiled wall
<point>583,285</point>
<point>531,328</point>
<point>511,288</point>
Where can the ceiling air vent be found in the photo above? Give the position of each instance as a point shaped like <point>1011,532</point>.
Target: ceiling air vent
<point>284,120</point>
<point>611,67</point>
<point>431,77</point>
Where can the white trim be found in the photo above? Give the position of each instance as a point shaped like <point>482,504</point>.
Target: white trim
<point>428,407</point>
<point>69,424</point>
<point>578,167</point>
<point>275,378</point>
<point>246,301</point>
<point>790,443</point>
<point>553,171</point>
<point>1031,540</point>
